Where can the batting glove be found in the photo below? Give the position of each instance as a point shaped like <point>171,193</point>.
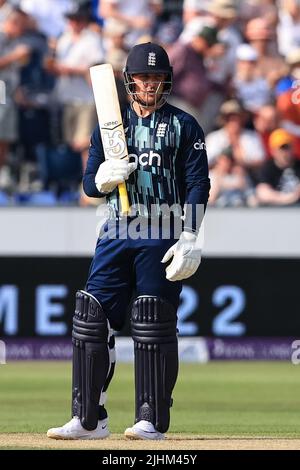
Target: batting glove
<point>186,257</point>
<point>113,172</point>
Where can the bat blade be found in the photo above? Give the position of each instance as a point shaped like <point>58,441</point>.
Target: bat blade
<point>110,119</point>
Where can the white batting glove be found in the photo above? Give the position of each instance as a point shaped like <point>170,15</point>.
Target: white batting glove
<point>113,172</point>
<point>186,257</point>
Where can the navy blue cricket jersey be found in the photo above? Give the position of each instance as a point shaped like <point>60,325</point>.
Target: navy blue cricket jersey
<point>169,148</point>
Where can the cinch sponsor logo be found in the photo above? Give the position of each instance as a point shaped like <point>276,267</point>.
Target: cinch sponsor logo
<point>151,158</point>
<point>199,145</point>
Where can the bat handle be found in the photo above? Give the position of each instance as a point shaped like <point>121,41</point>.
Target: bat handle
<point>123,198</point>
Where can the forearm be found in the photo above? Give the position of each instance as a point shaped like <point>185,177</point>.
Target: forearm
<point>214,192</point>
<point>5,61</point>
<point>232,185</point>
<point>267,195</point>
<point>19,55</point>
<point>67,70</point>
<point>196,182</point>
<point>81,71</point>
<point>195,207</point>
<point>9,59</point>
<point>89,187</point>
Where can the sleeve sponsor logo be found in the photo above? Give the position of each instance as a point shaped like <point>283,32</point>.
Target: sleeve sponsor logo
<point>199,145</point>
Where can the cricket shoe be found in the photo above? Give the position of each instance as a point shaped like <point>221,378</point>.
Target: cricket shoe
<point>143,430</point>
<point>74,430</point>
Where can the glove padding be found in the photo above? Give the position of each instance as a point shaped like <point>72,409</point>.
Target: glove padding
<point>113,172</point>
<point>186,257</point>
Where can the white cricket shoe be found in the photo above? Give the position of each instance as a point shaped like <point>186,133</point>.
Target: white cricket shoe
<point>143,430</point>
<point>74,430</point>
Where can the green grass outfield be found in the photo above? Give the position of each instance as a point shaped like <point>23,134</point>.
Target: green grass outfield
<point>215,399</point>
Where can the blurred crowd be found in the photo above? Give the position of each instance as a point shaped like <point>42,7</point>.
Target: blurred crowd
<point>236,70</point>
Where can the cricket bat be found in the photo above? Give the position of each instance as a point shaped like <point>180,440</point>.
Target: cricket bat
<point>110,119</point>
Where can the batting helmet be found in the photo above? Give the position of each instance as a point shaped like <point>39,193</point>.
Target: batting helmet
<point>148,58</point>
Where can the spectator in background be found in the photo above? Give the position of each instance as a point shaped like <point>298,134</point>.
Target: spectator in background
<point>251,89</point>
<point>14,53</point>
<point>33,96</point>
<point>280,177</point>
<point>288,30</point>
<point>191,86</point>
<point>247,149</point>
<point>194,8</point>
<point>226,15</point>
<point>139,16</point>
<point>35,83</point>
<point>265,121</point>
<point>116,53</point>
<point>288,99</point>
<point>48,14</point>
<point>228,182</point>
<point>250,9</point>
<point>78,49</point>
<point>5,9</point>
<point>168,24</point>
<point>221,63</point>
<point>114,33</point>
<point>269,64</point>
<point>98,21</point>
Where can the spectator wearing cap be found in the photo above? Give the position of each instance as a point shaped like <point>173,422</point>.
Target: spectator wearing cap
<point>280,177</point>
<point>191,86</point>
<point>288,30</point>
<point>265,121</point>
<point>229,182</point>
<point>246,145</point>
<point>139,16</point>
<point>226,15</point>
<point>261,37</point>
<point>114,35</point>
<point>288,99</point>
<point>251,89</point>
<point>116,53</point>
<point>77,49</point>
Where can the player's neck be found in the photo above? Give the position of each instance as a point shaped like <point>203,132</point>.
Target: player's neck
<point>142,112</point>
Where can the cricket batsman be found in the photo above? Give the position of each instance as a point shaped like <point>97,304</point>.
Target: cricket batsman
<point>166,167</point>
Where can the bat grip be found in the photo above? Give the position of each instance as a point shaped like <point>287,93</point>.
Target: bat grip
<point>123,198</point>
